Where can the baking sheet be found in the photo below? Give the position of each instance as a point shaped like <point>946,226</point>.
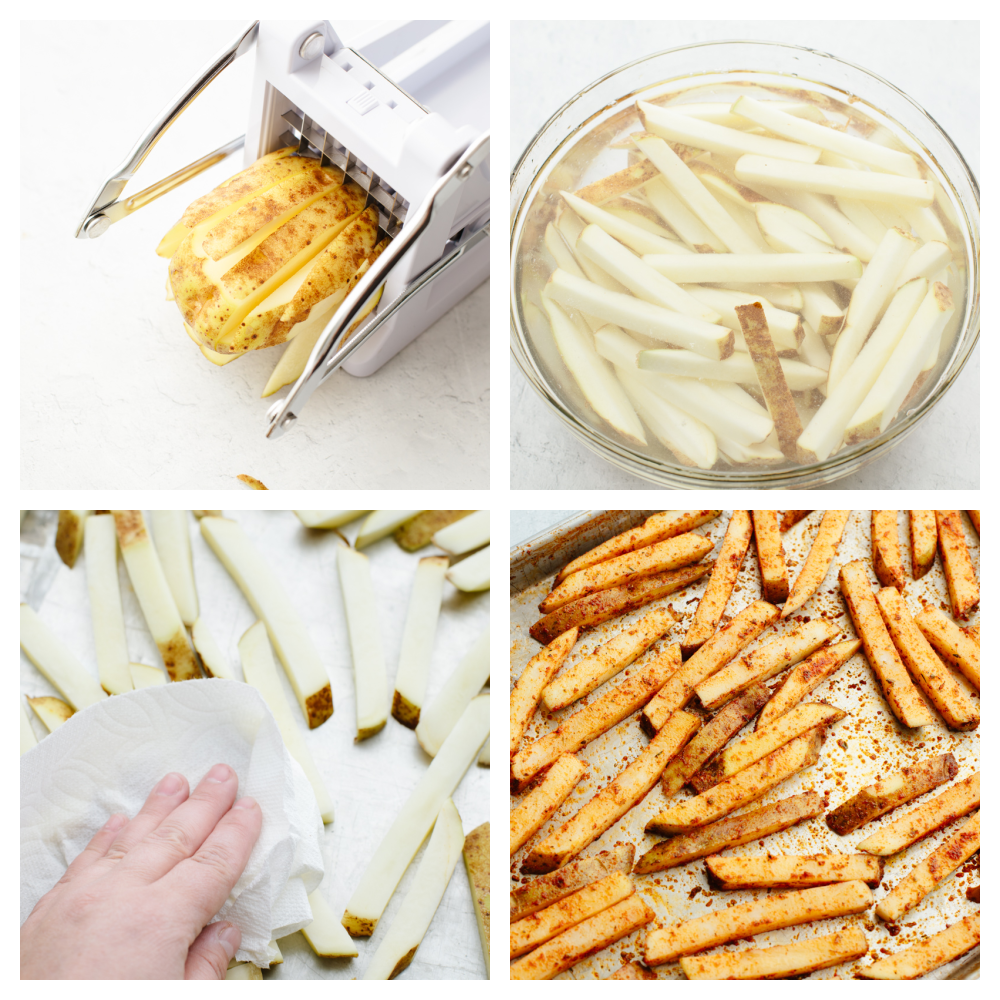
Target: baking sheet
<point>369,781</point>
<point>874,745</point>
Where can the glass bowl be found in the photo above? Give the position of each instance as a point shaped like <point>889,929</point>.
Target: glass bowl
<point>571,150</point>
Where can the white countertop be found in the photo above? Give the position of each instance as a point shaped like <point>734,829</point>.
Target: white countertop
<point>113,393</point>
<point>551,61</point>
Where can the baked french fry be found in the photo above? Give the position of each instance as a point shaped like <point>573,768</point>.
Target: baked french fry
<point>712,656</point>
<point>935,680</point>
<point>611,803</point>
<point>817,564</point>
<point>904,699</point>
<point>608,660</point>
<point>541,802</point>
<point>598,717</point>
<point>771,556</point>
<point>923,541</point>
<point>720,584</point>
<point>952,804</point>
<point>963,587</point>
<point>974,518</point>
<point>792,871</point>
<point>952,643</point>
<point>972,893</point>
<point>931,872</point>
<point>633,970</point>
<point>790,518</point>
<point>887,560</point>
<point>879,798</point>
<point>928,954</point>
<point>540,669</point>
<point>785,909</point>
<point>606,604</point>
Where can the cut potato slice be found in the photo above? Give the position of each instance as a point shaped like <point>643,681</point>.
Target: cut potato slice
<point>143,675</point>
<point>542,801</point>
<point>465,535</point>
<point>53,712</point>
<point>472,573</point>
<point>106,604</point>
<point>476,854</point>
<point>380,523</point>
<point>244,970</point>
<point>328,518</point>
<point>69,535</point>
<point>28,737</point>
<point>928,954</point>
<point>326,934</point>
<point>213,661</point>
<point>173,546</point>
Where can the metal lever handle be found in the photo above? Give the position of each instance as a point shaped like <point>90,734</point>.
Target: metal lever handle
<point>104,209</point>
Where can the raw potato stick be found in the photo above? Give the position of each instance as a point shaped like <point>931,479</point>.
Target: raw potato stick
<point>598,717</point>
<point>527,689</point>
<point>935,680</point>
<point>380,523</point>
<point>326,935</point>
<point>904,699</point>
<point>213,661</point>
<point>736,368</point>
<point>634,237</point>
<point>69,535</point>
<point>720,585</point>
<point>574,945</point>
<point>771,556</point>
<point>627,790</point>
<point>632,970</point>
<point>106,603</point>
<point>465,534</point>
<point>817,564</point>
<point>547,889</point>
<point>923,541</point>
<point>769,913</point>
<point>963,587</point>
<point>541,802</point>
<point>619,183</point>
<point>952,643</point>
<point>790,518</point>
<point>318,518</point>
<point>172,538</point>
<point>771,378</point>
<point>472,573</point>
<point>476,855</point>
<point>928,954</point>
<point>673,553</point>
<point>931,872</point>
<point>607,660</point>
<point>730,832</point>
<point>52,712</point>
<point>792,871</point>
<point>755,267</point>
<point>144,675</point>
<point>28,738</point>
<point>876,800</point>
<point>887,560</point>
<point>952,804</point>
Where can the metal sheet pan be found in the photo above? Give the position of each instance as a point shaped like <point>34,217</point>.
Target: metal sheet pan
<point>869,743</point>
<point>369,781</point>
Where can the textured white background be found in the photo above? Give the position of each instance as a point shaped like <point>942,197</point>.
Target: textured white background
<point>113,393</point>
<point>935,62</point>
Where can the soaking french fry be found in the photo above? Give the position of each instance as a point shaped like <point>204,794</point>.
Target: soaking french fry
<point>951,642</point>
<point>790,518</point>
<point>771,556</point>
<point>792,871</point>
<point>539,804</point>
<point>887,560</point>
<point>886,794</point>
<point>730,832</point>
<point>619,183</point>
<point>632,970</point>
<point>635,237</point>
<point>817,564</point>
<point>845,235</point>
<point>927,954</point>
<point>923,541</point>
<point>671,208</point>
<point>904,699</point>
<point>756,267</point>
<point>952,804</point>
<point>963,587</point>
<point>785,327</point>
<point>527,689</point>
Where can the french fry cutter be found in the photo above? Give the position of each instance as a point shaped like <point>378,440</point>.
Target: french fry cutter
<point>404,112</point>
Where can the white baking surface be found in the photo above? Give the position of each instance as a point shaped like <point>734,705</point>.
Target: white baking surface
<point>113,393</point>
<point>369,781</point>
<point>552,60</point>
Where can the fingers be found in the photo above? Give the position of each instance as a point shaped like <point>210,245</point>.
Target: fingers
<point>169,793</point>
<point>97,848</point>
<point>212,951</point>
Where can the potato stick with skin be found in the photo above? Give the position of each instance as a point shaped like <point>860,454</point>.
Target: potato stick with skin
<point>771,556</point>
<point>963,587</point>
<point>547,889</point>
<point>607,660</point>
<point>527,689</point>
<point>540,803</point>
<point>637,239</point>
<point>957,801</point>
<point>632,970</point>
<point>935,680</point>
<point>887,560</point>
<point>52,712</point>
<point>781,961</point>
<point>931,872</point>
<point>106,603</point>
<point>627,790</point>
<point>730,832</point>
<point>785,909</point>
<point>672,553</point>
<point>755,267</point>
<point>69,535</point>
<point>790,518</point>
<point>712,656</point>
<point>923,541</point>
<point>593,934</point>
<point>712,737</point>
<point>817,564</point>
<point>544,925</point>
<point>904,699</point>
<point>764,662</point>
<point>617,184</point>
<point>974,518</point>
<point>641,215</point>
<point>587,612</point>
<point>757,745</point>
<point>657,528</point>
<point>671,208</point>
<point>805,677</point>
<point>720,585</point>
<point>741,789</point>
<point>951,642</point>
<point>928,954</point>
<point>326,935</point>
<point>598,717</point>
<point>886,794</point>
<point>792,871</point>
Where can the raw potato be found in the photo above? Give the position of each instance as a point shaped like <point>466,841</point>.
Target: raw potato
<point>472,573</point>
<point>887,560</point>
<point>326,935</point>
<point>143,675</point>
<point>106,604</point>
<point>254,484</point>
<point>817,564</point>
<point>951,642</point>
<point>963,587</point>
<point>323,518</point>
<point>53,712</point>
<point>476,853</point>
<point>542,801</point>
<point>928,954</point>
<point>28,738</point>
<point>173,546</point>
<point>380,523</point>
<point>771,556</point>
<point>213,661</point>
<point>789,872</point>
<point>465,535</point>
<point>69,535</point>
<point>527,689</point>
<point>243,970</point>
<point>418,532</point>
<point>923,541</point>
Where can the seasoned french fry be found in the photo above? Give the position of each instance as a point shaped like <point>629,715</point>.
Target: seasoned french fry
<point>633,970</point>
<point>876,800</point>
<point>887,560</point>
<point>923,541</point>
<point>524,695</point>
<point>974,518</point>
<point>952,804</point>
<point>928,954</point>
<point>792,517</point>
<point>612,802</point>
<point>817,564</point>
<point>720,585</point>
<point>952,643</point>
<point>904,699</point>
<point>963,587</point>
<point>972,893</point>
<point>792,871</point>
<point>771,556</point>
<point>539,805</point>
<point>931,872</point>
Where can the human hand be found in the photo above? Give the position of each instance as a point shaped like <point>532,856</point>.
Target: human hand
<point>135,903</point>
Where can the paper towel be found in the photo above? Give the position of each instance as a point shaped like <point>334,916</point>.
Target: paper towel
<point>109,757</point>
